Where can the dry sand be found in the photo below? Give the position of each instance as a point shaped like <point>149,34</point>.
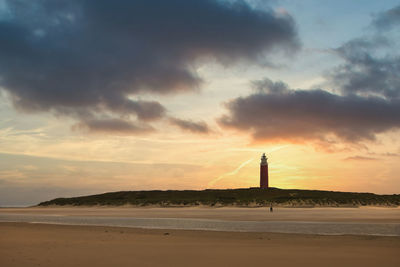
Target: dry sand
<point>23,244</point>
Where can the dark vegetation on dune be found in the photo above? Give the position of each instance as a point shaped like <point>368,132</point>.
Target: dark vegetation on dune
<point>230,197</point>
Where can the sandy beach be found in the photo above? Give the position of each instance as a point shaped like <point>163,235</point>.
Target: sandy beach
<point>23,244</point>
<point>49,244</point>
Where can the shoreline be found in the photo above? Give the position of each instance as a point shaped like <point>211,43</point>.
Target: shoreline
<point>320,214</point>
<point>199,232</point>
<point>323,221</point>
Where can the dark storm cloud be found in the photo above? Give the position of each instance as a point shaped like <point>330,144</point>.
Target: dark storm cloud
<point>276,112</point>
<point>84,58</point>
<point>188,125</point>
<point>388,19</point>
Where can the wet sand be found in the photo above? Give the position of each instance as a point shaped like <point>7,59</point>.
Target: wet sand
<point>24,244</point>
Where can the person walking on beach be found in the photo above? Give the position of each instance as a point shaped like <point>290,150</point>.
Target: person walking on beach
<point>270,208</point>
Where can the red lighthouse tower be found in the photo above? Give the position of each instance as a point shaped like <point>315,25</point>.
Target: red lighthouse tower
<point>264,172</point>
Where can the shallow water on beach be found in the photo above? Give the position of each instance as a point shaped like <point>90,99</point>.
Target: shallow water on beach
<point>300,227</point>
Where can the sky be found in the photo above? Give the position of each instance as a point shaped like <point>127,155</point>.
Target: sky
<point>100,96</point>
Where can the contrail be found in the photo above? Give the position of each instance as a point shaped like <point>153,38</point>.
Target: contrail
<point>235,171</point>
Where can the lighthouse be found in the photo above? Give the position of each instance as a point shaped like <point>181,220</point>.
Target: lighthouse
<point>264,172</point>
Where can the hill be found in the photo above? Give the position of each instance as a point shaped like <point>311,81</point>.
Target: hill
<point>230,197</point>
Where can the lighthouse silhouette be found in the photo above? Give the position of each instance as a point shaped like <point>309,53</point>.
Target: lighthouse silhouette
<point>264,172</point>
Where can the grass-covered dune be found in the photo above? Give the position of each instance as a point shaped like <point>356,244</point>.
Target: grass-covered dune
<point>230,197</point>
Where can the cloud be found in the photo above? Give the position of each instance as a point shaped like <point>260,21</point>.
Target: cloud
<point>188,125</point>
<point>145,110</point>
<point>116,126</point>
<point>372,62</point>
<point>94,59</point>
<point>387,19</point>
<point>359,158</point>
<point>365,102</point>
<point>277,113</point>
<point>364,71</point>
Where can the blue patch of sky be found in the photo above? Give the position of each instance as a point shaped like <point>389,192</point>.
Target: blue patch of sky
<point>328,24</point>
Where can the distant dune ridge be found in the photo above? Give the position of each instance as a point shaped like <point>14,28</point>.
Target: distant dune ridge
<point>252,197</point>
